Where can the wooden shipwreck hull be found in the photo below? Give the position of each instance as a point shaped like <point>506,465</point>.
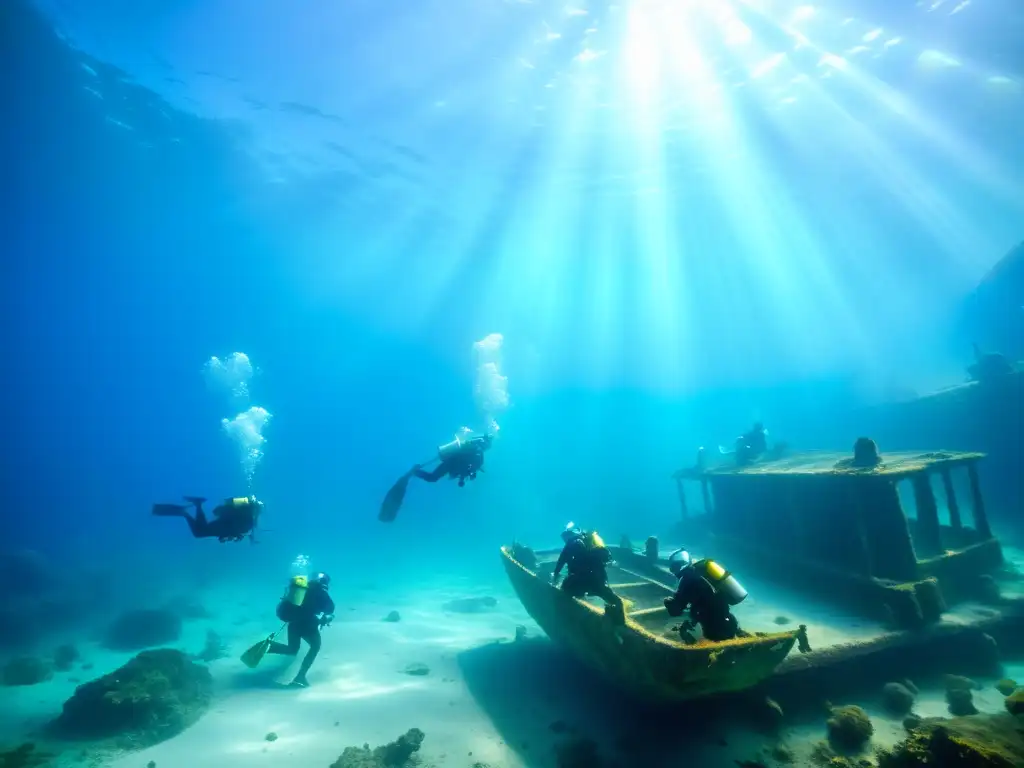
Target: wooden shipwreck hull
<point>645,656</point>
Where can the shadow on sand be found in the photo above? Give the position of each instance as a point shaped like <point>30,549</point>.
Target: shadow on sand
<point>542,701</point>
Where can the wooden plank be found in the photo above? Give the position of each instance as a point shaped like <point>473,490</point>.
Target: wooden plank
<point>823,463</point>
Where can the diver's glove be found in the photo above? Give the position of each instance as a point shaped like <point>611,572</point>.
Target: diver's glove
<point>326,619</point>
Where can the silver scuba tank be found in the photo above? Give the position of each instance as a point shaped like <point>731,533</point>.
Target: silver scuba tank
<point>724,583</point>
<point>450,449</point>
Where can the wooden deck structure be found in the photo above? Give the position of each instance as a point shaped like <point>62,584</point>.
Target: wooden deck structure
<point>816,512</point>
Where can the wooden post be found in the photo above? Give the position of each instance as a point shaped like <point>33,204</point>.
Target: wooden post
<point>978,504</point>
<point>928,535</point>
<point>682,497</point>
<point>951,502</point>
<point>705,492</point>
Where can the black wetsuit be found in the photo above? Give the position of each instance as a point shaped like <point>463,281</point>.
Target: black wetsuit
<point>465,463</point>
<point>587,574</point>
<point>303,624</point>
<point>228,524</point>
<point>707,607</point>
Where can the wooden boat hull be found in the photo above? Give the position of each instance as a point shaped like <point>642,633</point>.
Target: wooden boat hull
<point>648,663</point>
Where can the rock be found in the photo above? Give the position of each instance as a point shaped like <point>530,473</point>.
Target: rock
<point>24,756</point>
<point>1015,702</point>
<point>578,753</point>
<point>153,697</point>
<point>911,721</point>
<point>985,741</point>
<point>64,657</point>
<point>393,617</point>
<point>396,754</point>
<point>960,702</point>
<point>270,737</point>
<point>897,698</point>
<point>151,764</point>
<point>959,683</point>
<point>134,630</point>
<point>417,668</point>
<point>849,728</point>
<point>469,605</point>
<point>1006,686</point>
<point>782,620</point>
<point>26,670</point>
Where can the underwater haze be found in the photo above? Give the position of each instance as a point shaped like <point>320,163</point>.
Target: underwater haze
<point>289,249</point>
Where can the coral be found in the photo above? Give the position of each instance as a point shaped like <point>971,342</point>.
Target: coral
<point>910,722</point>
<point>417,669</point>
<point>396,754</point>
<point>26,670</point>
<point>64,657</point>
<point>897,698</point>
<point>213,649</point>
<point>470,604</point>
<point>143,629</point>
<point>961,702</point>
<point>849,728</point>
<point>24,756</point>
<point>1006,686</point>
<point>1015,702</point>
<point>393,617</point>
<point>985,741</point>
<point>153,697</point>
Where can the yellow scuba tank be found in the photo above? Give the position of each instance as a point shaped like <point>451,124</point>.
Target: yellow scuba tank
<point>596,546</point>
<point>297,588</point>
<point>238,501</point>
<point>723,582</point>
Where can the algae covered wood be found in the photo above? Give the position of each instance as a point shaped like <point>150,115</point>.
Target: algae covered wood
<point>815,463</point>
<point>652,666</point>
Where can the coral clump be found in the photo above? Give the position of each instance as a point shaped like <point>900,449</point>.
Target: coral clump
<point>134,630</point>
<point>986,741</point>
<point>897,698</point>
<point>849,728</point>
<point>26,670</point>
<point>396,754</point>
<point>153,697</point>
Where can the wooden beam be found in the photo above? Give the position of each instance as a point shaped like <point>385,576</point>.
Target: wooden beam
<point>978,504</point>
<point>705,492</point>
<point>951,502</point>
<point>928,534</point>
<point>681,490</point>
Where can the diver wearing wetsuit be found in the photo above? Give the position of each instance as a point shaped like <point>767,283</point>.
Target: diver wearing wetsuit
<point>709,605</point>
<point>460,464</point>
<point>304,622</point>
<point>232,521</point>
<point>586,557</point>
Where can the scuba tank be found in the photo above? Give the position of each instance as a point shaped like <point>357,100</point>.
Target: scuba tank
<point>298,586</point>
<point>595,546</point>
<point>456,446</point>
<point>240,501</point>
<point>723,582</point>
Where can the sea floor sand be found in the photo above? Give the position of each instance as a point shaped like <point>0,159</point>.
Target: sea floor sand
<point>486,700</point>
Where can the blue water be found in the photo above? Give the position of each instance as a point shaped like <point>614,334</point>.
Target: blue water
<point>680,218</point>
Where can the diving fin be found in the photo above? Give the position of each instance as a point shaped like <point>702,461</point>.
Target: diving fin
<point>169,510</point>
<point>252,657</point>
<point>394,498</point>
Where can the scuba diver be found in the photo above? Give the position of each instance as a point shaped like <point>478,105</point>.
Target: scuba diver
<point>709,591</point>
<point>232,521</point>
<point>305,608</point>
<point>586,556</point>
<point>460,460</point>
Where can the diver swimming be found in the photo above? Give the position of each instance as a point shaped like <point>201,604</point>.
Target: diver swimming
<point>461,459</point>
<point>233,520</point>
